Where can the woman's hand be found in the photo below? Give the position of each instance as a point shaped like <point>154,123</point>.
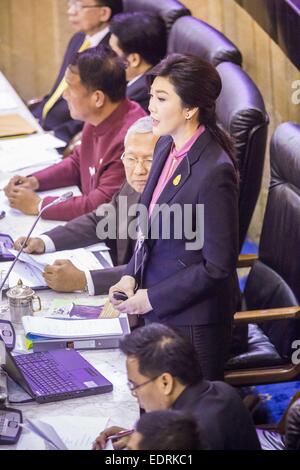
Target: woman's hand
<point>127,285</point>
<point>138,304</point>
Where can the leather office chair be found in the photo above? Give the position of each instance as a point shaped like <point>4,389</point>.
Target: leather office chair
<point>169,10</point>
<point>286,434</point>
<point>272,290</point>
<point>241,111</point>
<point>193,36</point>
<point>292,427</point>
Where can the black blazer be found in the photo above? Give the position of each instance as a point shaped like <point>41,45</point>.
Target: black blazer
<point>82,232</point>
<point>222,417</point>
<point>139,92</point>
<point>59,119</point>
<point>198,286</point>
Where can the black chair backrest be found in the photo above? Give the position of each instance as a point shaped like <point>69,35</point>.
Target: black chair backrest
<point>280,238</point>
<point>266,289</point>
<point>292,427</point>
<point>169,10</point>
<point>241,111</point>
<point>193,36</point>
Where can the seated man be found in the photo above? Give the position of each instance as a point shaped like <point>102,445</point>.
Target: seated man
<point>63,276</point>
<point>96,94</point>
<point>166,430</point>
<point>91,21</point>
<point>141,39</point>
<point>164,373</point>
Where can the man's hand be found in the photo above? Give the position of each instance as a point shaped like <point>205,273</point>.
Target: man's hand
<point>100,441</point>
<point>139,304</point>
<point>34,245</point>
<point>25,200</point>
<point>29,182</point>
<point>63,276</point>
<point>127,285</point>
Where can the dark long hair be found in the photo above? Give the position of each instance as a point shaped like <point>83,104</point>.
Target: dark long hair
<point>198,85</point>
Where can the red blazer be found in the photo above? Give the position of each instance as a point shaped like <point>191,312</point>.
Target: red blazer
<point>95,166</point>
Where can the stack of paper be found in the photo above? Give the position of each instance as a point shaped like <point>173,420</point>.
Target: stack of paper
<point>28,152</point>
<point>70,329</point>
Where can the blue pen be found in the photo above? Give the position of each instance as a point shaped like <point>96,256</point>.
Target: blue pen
<point>2,214</point>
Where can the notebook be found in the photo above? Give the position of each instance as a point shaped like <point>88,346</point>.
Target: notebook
<point>13,125</point>
<point>56,375</point>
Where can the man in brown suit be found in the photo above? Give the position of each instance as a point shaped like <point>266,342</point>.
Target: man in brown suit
<point>63,276</point>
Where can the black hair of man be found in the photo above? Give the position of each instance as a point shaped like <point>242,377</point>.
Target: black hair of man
<point>141,33</point>
<point>159,349</point>
<point>169,430</point>
<point>100,68</point>
<point>116,6</point>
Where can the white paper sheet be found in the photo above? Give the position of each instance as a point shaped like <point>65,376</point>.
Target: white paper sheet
<point>32,143</point>
<point>65,432</point>
<point>7,101</point>
<point>73,329</point>
<point>13,161</point>
<point>81,258</point>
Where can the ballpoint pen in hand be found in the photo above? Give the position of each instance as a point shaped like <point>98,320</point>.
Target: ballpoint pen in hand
<point>120,434</point>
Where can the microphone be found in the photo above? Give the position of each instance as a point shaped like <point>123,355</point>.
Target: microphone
<point>59,200</point>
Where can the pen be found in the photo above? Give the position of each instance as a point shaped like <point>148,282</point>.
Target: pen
<point>120,434</point>
<point>2,214</point>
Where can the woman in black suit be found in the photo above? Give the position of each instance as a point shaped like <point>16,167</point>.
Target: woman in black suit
<point>187,278</point>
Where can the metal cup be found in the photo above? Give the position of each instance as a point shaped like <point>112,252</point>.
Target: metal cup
<point>21,300</point>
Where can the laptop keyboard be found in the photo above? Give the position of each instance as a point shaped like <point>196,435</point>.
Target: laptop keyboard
<point>44,374</point>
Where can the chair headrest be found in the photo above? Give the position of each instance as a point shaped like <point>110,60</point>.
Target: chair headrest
<point>280,238</point>
<point>240,104</point>
<point>285,154</point>
<point>192,36</point>
<point>168,10</point>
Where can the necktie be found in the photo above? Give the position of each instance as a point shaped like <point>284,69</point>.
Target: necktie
<point>62,86</point>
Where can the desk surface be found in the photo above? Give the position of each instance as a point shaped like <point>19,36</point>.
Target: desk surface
<point>118,405</point>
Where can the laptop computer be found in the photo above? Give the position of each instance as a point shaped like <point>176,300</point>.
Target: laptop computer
<point>56,375</point>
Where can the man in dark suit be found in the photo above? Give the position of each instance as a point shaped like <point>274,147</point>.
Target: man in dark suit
<point>140,38</point>
<point>63,276</point>
<point>91,21</point>
<point>164,373</point>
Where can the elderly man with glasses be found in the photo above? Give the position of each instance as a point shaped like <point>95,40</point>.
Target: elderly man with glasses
<point>90,19</point>
<point>63,276</point>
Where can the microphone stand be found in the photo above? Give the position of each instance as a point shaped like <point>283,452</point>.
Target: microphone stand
<point>60,199</point>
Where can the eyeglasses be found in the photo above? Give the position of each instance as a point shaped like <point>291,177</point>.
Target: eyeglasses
<point>132,162</point>
<point>133,387</point>
<point>77,5</point>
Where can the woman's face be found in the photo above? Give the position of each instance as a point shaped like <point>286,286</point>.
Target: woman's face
<point>165,107</point>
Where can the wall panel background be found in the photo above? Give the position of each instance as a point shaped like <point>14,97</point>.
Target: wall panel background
<point>34,34</point>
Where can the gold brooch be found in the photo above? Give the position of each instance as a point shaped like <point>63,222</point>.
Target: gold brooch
<point>177,180</point>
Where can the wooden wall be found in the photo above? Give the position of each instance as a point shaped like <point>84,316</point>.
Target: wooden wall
<point>265,62</point>
<point>33,37</point>
<point>34,34</point>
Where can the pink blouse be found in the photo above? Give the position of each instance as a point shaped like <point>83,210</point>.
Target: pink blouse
<point>173,161</point>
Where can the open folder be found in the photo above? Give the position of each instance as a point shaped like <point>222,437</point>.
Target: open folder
<point>12,125</point>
